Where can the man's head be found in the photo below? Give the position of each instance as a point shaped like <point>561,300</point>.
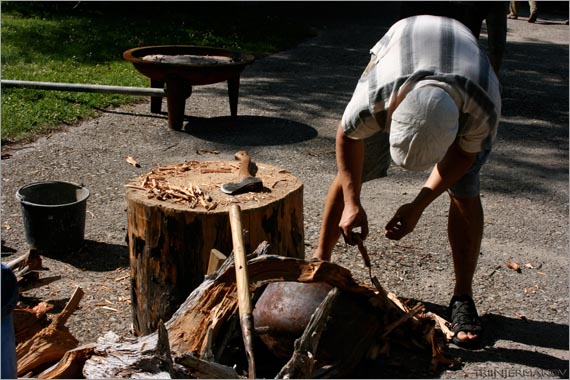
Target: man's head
<point>423,127</point>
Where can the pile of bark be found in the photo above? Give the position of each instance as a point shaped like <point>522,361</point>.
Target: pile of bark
<point>205,337</point>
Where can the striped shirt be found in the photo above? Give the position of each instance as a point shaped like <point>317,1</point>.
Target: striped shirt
<point>427,50</point>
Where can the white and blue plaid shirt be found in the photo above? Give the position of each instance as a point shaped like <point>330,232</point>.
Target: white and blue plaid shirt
<point>427,50</point>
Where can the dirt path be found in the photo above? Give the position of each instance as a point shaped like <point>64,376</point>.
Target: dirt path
<point>289,107</point>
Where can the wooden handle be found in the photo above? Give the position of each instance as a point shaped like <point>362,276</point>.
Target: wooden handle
<point>242,275</point>
<point>242,282</point>
<point>362,249</point>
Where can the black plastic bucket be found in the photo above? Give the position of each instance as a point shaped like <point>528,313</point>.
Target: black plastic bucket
<point>54,215</point>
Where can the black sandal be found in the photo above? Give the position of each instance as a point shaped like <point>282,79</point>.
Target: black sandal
<point>464,317</point>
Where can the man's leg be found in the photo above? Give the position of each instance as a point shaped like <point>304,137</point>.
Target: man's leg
<point>330,232</point>
<point>465,231</point>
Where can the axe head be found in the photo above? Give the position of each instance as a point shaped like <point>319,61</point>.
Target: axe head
<point>247,184</point>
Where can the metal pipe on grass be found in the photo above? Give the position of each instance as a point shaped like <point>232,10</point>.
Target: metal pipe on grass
<point>124,90</point>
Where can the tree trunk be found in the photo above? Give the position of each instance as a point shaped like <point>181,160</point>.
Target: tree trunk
<point>177,214</point>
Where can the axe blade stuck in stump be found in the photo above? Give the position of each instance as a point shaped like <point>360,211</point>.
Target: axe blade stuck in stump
<point>247,180</point>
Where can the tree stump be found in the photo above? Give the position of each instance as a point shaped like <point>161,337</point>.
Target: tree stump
<point>177,214</point>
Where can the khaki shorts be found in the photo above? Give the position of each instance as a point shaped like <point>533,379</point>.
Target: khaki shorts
<point>376,156</point>
<point>377,161</point>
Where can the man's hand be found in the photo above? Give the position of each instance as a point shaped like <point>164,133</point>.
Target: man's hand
<point>448,171</point>
<point>403,222</point>
<point>353,217</point>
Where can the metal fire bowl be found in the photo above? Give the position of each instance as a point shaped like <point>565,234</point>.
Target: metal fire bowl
<point>193,74</point>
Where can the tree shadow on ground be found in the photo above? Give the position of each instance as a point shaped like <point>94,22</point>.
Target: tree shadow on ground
<point>95,256</point>
<point>249,130</point>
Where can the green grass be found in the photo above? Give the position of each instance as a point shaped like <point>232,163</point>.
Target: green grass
<point>83,42</point>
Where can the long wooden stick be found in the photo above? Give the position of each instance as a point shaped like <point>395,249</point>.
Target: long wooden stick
<point>242,282</point>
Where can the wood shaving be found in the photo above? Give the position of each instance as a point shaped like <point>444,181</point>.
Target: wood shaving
<point>157,186</point>
<point>216,170</point>
<point>109,308</point>
<point>208,151</point>
<point>276,182</point>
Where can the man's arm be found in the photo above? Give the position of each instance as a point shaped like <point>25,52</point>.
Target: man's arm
<point>350,158</point>
<point>447,172</point>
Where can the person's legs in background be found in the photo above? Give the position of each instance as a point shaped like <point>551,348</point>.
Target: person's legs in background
<point>513,14</point>
<point>533,11</point>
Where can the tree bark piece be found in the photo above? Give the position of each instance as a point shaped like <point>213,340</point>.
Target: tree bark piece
<point>170,242</point>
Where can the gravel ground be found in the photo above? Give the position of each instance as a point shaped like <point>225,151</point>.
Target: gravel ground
<point>290,104</point>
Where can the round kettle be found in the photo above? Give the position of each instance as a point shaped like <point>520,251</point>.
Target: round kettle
<point>283,312</point>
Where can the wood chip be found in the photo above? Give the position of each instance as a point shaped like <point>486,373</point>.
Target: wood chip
<point>133,162</point>
<point>109,308</point>
<point>514,266</point>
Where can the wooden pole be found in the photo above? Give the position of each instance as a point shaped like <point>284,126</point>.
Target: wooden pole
<point>242,283</point>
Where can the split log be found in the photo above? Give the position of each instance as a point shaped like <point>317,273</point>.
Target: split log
<point>216,260</point>
<point>50,344</point>
<point>26,266</point>
<point>29,321</point>
<point>31,257</point>
<point>146,358</point>
<point>71,364</point>
<point>170,239</point>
